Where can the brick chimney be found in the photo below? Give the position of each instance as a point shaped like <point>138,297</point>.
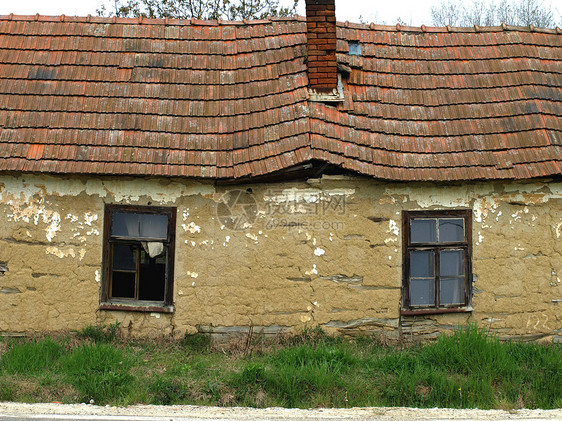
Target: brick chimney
<point>321,45</point>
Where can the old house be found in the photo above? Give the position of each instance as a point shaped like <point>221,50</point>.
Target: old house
<point>178,176</point>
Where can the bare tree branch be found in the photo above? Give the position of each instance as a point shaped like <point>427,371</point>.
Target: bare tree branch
<point>511,12</point>
<point>199,9</point>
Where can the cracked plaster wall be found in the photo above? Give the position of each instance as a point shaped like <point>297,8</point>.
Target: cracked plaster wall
<point>324,252</point>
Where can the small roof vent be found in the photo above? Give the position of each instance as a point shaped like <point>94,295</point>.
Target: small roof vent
<point>354,48</point>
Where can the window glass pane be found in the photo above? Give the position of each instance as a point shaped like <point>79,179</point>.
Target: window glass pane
<point>451,291</point>
<point>123,285</point>
<point>451,230</point>
<point>354,48</point>
<point>152,282</point>
<point>154,226</point>
<point>125,224</point>
<point>124,257</point>
<point>451,263</point>
<point>422,292</point>
<point>421,264</point>
<point>423,231</point>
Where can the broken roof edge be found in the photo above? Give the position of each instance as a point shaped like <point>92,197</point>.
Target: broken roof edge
<point>275,19</point>
<point>284,174</point>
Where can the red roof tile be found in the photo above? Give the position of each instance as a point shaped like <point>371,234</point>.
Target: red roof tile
<point>230,99</point>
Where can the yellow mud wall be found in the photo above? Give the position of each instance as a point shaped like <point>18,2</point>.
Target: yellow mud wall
<point>325,252</point>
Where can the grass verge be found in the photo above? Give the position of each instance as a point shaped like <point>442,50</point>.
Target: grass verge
<point>467,369</point>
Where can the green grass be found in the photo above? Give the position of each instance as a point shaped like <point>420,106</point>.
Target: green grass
<point>464,370</point>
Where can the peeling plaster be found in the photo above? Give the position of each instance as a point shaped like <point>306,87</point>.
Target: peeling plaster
<point>454,196</point>
<point>305,195</point>
<point>393,227</point>
<point>299,200</point>
<point>34,210</point>
<point>480,238</point>
<point>53,227</point>
<point>55,251</point>
<point>252,236</point>
<point>482,198</point>
<point>25,197</point>
<point>97,276</point>
<point>313,271</point>
<point>71,217</point>
<point>482,207</point>
<point>122,190</point>
<point>319,251</point>
<point>191,227</point>
<point>89,218</point>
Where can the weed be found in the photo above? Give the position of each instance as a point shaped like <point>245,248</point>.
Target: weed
<point>99,372</point>
<point>167,391</point>
<point>197,342</point>
<point>100,333</point>
<point>469,368</point>
<point>253,373</point>
<point>214,389</point>
<point>6,390</point>
<point>30,357</point>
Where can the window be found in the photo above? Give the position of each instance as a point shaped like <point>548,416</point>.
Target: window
<point>354,48</point>
<point>437,260</point>
<point>138,257</point>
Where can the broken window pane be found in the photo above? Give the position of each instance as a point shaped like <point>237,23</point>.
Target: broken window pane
<point>124,257</point>
<point>123,285</point>
<point>152,282</point>
<point>138,254</point>
<point>422,264</point>
<point>451,263</point>
<point>154,226</point>
<point>125,224</point>
<point>423,231</point>
<point>451,291</point>
<point>422,292</point>
<point>451,230</point>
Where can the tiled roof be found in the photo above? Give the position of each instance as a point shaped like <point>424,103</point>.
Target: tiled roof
<point>230,99</point>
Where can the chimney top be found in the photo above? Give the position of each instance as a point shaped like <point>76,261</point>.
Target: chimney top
<point>321,46</point>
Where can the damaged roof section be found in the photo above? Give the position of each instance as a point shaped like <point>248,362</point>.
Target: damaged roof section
<point>230,99</point>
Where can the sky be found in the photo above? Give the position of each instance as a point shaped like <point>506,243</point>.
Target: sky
<point>413,12</point>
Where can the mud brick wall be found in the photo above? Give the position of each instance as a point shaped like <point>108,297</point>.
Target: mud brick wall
<point>325,252</point>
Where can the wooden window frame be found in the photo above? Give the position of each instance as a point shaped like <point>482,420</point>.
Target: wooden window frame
<point>128,304</point>
<point>408,246</point>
